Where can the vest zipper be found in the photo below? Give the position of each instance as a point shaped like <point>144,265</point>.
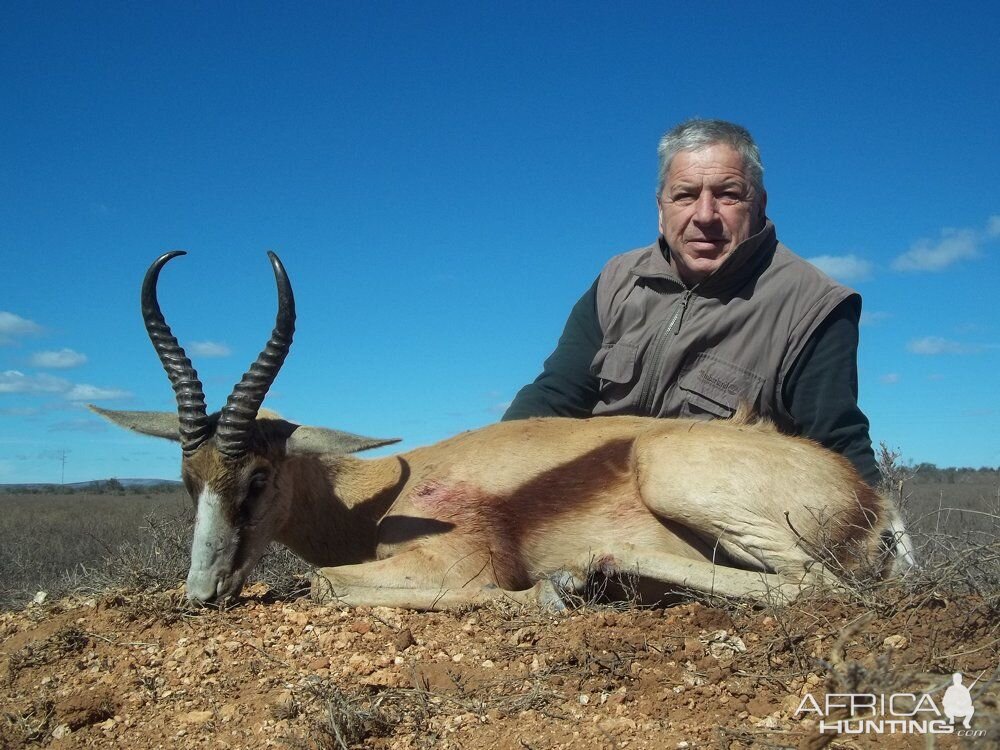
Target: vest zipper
<point>659,347</point>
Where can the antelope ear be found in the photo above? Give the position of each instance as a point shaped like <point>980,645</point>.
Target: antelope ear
<point>322,440</point>
<point>162,424</point>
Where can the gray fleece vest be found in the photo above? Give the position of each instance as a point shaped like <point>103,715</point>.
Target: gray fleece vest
<point>671,351</point>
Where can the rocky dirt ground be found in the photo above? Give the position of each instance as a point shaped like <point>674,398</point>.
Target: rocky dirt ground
<point>143,671</point>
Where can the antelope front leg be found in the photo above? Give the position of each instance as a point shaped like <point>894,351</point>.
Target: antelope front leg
<point>410,581</point>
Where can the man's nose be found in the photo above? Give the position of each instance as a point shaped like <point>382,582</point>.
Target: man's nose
<point>705,208</point>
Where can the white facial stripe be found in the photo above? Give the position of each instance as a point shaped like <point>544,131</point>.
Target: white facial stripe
<point>902,545</point>
<point>213,548</point>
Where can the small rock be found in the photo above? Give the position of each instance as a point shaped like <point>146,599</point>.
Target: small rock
<point>40,597</point>
<point>524,637</point>
<point>897,642</point>
<point>61,731</point>
<point>195,717</point>
<point>790,703</point>
<point>228,712</point>
<point>384,678</point>
<point>721,643</point>
<point>360,627</point>
<point>404,640</point>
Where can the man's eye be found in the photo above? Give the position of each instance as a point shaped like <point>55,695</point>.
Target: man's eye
<point>730,198</point>
<point>682,199</point>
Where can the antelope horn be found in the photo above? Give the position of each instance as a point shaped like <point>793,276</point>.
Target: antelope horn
<point>238,415</point>
<point>194,427</point>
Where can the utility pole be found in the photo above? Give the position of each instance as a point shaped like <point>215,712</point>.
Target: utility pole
<point>63,477</point>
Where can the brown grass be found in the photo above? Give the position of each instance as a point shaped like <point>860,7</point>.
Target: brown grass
<point>91,543</point>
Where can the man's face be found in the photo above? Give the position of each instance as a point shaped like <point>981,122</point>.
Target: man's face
<point>707,208</point>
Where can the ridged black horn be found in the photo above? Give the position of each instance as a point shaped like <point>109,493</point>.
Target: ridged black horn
<point>194,426</point>
<point>240,411</point>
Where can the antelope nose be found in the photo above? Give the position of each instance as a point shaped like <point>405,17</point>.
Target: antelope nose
<point>201,588</point>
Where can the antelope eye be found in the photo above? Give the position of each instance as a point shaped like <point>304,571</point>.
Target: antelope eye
<point>250,506</point>
<point>258,480</point>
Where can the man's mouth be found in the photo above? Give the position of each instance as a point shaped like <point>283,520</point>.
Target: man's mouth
<point>706,242</point>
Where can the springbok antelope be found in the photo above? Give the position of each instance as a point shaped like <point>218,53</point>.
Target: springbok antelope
<point>519,510</point>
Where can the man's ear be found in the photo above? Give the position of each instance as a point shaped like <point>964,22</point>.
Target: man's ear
<point>659,215</point>
<point>162,424</point>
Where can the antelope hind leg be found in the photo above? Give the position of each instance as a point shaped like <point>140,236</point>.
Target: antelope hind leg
<point>707,578</point>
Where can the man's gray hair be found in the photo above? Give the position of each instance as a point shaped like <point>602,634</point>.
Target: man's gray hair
<point>696,134</point>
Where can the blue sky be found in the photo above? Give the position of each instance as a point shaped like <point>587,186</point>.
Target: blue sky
<point>443,180</point>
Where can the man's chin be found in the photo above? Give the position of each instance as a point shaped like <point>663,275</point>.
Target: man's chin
<point>699,268</point>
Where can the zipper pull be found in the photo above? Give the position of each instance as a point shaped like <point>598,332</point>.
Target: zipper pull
<point>680,313</point>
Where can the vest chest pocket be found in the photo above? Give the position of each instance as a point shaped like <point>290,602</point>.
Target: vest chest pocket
<point>714,388</point>
<point>614,365</point>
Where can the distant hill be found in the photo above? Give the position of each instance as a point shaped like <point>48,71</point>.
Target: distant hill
<point>94,485</point>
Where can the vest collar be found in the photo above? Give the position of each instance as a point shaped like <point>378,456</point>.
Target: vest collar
<point>734,272</point>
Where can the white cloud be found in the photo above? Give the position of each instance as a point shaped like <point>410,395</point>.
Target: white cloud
<point>953,246</point>
<point>890,378</point>
<point>13,381</point>
<point>993,227</point>
<point>60,360</point>
<point>83,392</point>
<point>874,317</point>
<point>12,325</point>
<point>932,345</point>
<point>843,267</point>
<point>209,349</point>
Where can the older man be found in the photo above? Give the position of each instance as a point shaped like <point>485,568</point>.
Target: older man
<point>714,313</point>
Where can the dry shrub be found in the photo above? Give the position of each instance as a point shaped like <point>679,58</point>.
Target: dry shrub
<point>350,720</point>
<point>31,725</point>
<point>69,640</point>
<point>285,575</point>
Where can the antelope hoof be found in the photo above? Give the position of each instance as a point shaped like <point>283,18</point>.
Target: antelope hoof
<point>321,589</point>
<point>549,597</point>
<point>556,592</point>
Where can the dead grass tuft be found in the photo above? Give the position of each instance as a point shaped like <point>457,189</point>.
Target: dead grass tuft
<point>69,640</point>
<point>28,726</point>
